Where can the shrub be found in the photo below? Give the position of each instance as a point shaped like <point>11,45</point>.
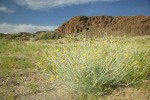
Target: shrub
<point>94,69</point>
<point>48,35</point>
<point>23,36</point>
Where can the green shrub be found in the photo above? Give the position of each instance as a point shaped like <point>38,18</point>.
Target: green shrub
<point>23,36</point>
<point>47,35</point>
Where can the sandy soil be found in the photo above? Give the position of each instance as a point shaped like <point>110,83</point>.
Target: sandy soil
<point>129,94</point>
<point>31,84</point>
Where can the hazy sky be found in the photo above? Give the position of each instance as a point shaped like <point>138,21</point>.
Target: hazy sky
<point>37,15</point>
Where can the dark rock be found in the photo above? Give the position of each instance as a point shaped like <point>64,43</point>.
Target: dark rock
<point>130,24</point>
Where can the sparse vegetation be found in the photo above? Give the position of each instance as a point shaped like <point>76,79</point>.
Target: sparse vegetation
<point>24,36</point>
<point>47,35</point>
<point>91,68</point>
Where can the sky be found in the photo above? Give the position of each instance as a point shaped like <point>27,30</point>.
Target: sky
<point>46,15</point>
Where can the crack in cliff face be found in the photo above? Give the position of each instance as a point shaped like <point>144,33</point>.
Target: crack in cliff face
<point>130,24</point>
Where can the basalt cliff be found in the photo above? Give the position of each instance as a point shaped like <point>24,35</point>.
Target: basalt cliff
<point>127,24</point>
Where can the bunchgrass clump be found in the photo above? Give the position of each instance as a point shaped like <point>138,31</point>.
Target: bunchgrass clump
<point>96,68</point>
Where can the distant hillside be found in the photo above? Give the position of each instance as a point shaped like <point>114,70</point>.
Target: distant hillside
<point>139,25</point>
<point>24,36</point>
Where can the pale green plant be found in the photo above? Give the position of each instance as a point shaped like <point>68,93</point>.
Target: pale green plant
<point>96,68</point>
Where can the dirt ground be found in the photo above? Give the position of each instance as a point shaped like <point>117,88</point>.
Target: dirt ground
<point>129,94</point>
<point>31,84</point>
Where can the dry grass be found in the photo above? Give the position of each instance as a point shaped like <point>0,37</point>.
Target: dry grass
<point>88,68</point>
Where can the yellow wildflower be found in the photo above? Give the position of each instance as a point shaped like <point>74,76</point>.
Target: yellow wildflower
<point>127,55</point>
<point>45,69</point>
<point>136,62</point>
<point>63,61</point>
<point>38,63</point>
<point>84,55</point>
<point>56,76</point>
<point>57,50</point>
<point>52,78</point>
<point>53,65</point>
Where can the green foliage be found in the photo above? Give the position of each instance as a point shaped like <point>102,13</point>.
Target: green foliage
<point>17,55</point>
<point>22,36</point>
<point>47,35</point>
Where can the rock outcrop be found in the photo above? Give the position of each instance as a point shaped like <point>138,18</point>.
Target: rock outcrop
<point>130,24</point>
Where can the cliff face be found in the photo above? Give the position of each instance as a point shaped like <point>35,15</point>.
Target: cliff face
<point>133,24</point>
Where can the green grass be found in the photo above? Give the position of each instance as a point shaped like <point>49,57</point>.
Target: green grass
<point>16,55</point>
<point>91,67</point>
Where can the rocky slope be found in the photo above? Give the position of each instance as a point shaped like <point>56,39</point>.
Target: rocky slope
<point>129,24</point>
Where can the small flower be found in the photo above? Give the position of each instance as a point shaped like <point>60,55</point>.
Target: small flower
<point>63,61</point>
<point>53,65</point>
<point>57,50</point>
<point>45,69</point>
<point>136,62</point>
<point>52,78</point>
<point>84,55</point>
<point>127,55</point>
<point>38,63</point>
<point>56,76</point>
